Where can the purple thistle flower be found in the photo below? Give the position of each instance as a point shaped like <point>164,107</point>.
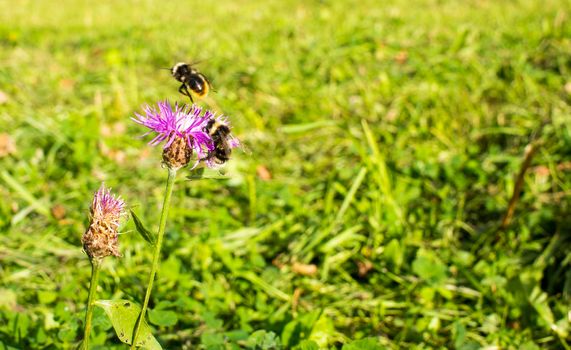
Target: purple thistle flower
<point>100,239</point>
<point>185,122</point>
<point>105,204</point>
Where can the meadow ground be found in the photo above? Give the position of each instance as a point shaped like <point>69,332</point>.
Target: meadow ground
<point>384,140</point>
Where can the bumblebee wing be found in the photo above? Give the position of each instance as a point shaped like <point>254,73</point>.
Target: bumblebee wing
<point>206,80</point>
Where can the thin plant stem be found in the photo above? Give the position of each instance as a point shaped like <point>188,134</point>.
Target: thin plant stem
<point>157,254</point>
<point>529,152</point>
<point>95,267</point>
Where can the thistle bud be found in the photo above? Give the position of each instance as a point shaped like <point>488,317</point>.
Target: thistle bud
<point>177,154</point>
<point>100,238</point>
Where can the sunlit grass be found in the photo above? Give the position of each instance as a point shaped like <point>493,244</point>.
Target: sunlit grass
<point>383,141</point>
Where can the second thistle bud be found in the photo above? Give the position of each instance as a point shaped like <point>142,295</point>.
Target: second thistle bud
<point>101,237</point>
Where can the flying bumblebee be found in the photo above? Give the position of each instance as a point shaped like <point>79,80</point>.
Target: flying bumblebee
<point>220,134</point>
<point>191,79</point>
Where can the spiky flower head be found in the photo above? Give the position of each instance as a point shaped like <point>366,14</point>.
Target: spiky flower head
<point>100,239</point>
<point>182,130</point>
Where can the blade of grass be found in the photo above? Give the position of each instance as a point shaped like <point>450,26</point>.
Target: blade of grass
<point>25,194</point>
<point>342,210</point>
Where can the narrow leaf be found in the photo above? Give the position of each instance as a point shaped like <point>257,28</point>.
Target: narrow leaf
<point>123,315</point>
<point>18,187</point>
<point>196,174</point>
<point>265,286</point>
<point>364,344</point>
<point>146,234</point>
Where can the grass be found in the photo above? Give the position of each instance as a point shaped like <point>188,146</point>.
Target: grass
<point>384,141</point>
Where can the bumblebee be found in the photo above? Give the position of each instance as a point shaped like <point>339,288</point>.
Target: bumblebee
<point>220,134</point>
<point>191,79</point>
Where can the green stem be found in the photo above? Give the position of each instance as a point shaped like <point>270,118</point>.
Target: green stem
<point>157,254</point>
<point>95,266</point>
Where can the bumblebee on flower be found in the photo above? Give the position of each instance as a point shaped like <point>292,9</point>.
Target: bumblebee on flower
<point>187,130</point>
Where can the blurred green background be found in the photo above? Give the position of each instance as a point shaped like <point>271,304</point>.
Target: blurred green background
<point>383,142</point>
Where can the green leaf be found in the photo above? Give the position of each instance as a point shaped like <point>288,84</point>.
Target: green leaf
<point>123,315</point>
<point>46,296</point>
<point>307,345</point>
<point>300,328</point>
<point>146,234</point>
<point>264,340</point>
<point>236,335</point>
<point>364,344</point>
<point>164,318</point>
<point>68,332</point>
<point>21,325</point>
<point>211,321</point>
<point>529,345</point>
<point>212,340</point>
<point>323,331</point>
<point>459,332</point>
<point>196,174</point>
<point>428,267</point>
<point>203,173</point>
<point>394,253</point>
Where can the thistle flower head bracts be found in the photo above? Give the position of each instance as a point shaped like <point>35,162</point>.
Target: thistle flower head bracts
<point>182,129</point>
<point>100,239</point>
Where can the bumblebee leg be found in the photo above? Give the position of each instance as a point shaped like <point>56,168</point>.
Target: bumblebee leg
<point>183,90</point>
